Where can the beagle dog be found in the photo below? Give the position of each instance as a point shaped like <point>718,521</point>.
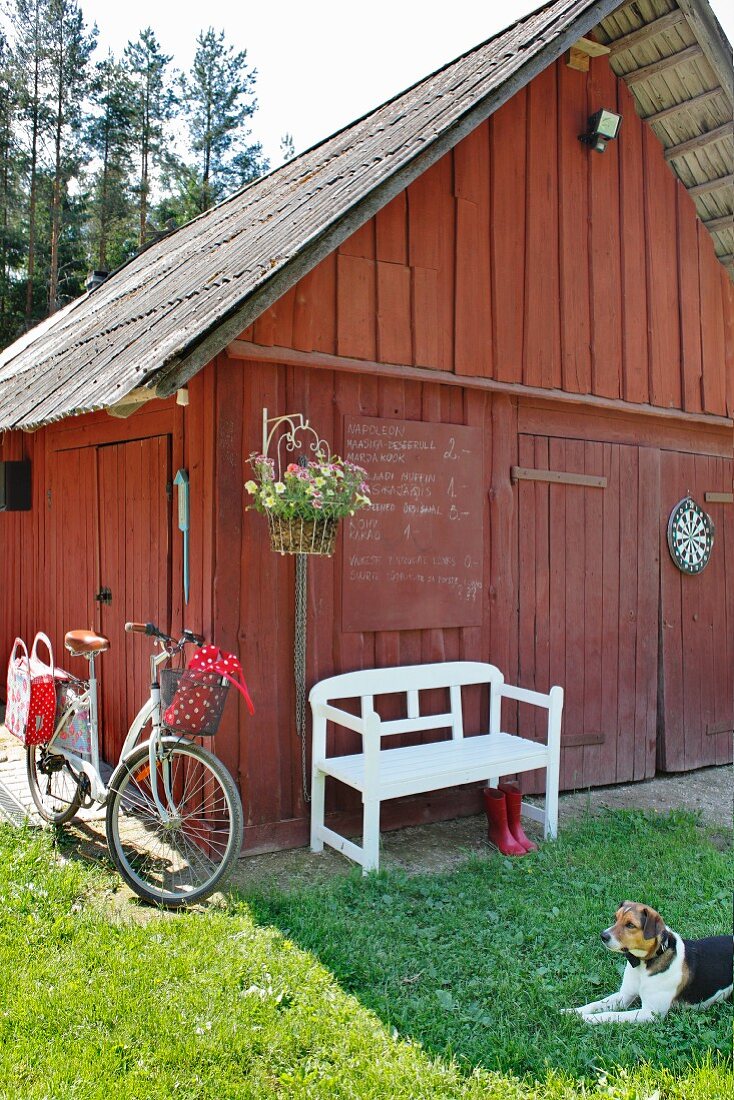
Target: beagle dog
<point>662,968</point>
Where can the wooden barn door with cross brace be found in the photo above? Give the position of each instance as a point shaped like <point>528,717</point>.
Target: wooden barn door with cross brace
<point>111,560</point>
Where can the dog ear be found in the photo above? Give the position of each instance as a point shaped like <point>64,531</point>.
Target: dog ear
<point>654,924</point>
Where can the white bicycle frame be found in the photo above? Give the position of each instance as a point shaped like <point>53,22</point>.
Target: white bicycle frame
<point>151,709</point>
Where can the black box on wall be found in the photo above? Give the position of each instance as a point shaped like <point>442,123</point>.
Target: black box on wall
<point>15,486</point>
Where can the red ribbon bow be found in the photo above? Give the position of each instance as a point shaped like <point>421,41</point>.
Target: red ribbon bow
<point>210,658</point>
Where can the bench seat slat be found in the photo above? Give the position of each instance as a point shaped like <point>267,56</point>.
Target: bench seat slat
<point>411,769</point>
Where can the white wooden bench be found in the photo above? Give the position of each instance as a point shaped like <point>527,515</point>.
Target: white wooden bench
<point>380,772</point>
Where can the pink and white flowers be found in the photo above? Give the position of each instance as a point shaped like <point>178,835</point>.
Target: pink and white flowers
<point>328,487</point>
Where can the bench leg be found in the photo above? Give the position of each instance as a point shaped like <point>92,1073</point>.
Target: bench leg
<point>552,778</point>
<point>371,836</point>
<point>318,791</point>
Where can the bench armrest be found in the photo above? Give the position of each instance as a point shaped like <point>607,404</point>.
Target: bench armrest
<point>368,726</point>
<point>525,695</point>
<point>552,702</point>
<point>340,717</point>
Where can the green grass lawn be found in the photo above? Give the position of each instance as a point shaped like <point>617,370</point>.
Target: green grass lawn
<point>440,986</point>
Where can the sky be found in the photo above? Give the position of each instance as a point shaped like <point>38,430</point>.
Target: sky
<point>321,64</point>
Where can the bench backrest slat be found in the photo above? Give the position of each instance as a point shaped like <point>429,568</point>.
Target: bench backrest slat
<point>458,711</point>
<point>391,681</point>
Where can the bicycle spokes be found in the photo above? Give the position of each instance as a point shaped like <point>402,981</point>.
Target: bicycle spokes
<point>183,854</point>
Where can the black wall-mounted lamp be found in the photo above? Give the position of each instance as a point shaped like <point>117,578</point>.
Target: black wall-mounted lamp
<point>602,127</point>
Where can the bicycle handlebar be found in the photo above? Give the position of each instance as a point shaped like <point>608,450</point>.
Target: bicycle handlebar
<point>153,631</point>
<point>146,628</point>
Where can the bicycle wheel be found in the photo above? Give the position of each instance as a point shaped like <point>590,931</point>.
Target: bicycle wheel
<point>54,786</point>
<point>180,861</point>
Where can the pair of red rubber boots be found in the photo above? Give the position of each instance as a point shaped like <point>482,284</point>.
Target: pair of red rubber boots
<point>502,805</point>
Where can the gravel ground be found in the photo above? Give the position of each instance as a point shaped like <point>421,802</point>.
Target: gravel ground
<point>441,846</point>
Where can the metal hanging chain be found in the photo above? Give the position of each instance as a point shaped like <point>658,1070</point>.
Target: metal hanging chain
<point>299,662</point>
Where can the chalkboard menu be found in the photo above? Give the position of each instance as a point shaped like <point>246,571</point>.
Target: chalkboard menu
<point>414,559</point>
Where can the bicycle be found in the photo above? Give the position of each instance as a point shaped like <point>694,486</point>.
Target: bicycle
<point>174,822</point>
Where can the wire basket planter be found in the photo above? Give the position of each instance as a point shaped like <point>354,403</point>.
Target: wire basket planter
<point>303,536</point>
<point>192,700</point>
<point>302,488</point>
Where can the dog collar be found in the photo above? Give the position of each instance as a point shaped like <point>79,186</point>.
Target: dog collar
<point>666,942</point>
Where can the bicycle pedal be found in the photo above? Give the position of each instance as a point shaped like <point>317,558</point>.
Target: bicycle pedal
<point>86,791</point>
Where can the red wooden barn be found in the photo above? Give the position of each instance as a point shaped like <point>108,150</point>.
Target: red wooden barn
<point>453,278</point>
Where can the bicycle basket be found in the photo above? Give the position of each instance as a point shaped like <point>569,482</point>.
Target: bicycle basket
<point>192,700</point>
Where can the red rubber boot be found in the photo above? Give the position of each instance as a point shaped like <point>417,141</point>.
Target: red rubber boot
<point>513,799</point>
<point>498,833</point>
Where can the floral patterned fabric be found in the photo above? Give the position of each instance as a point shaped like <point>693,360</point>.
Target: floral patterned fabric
<point>31,709</point>
<point>76,734</point>
<point>18,691</point>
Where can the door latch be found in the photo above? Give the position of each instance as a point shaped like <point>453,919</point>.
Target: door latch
<point>104,596</point>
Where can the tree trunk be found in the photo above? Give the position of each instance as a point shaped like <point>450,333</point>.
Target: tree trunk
<point>32,199</point>
<point>6,147</point>
<point>53,279</point>
<point>103,211</point>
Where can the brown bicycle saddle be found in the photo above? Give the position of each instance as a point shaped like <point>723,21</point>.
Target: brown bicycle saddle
<point>81,643</point>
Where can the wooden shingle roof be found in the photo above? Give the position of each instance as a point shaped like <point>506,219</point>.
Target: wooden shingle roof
<point>165,314</point>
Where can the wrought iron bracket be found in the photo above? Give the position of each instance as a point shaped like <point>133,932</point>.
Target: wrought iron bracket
<point>299,436</point>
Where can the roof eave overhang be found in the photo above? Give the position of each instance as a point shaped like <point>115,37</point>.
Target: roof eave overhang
<point>713,42</point>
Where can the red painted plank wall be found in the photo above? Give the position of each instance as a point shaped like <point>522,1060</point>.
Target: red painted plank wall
<point>525,257</point>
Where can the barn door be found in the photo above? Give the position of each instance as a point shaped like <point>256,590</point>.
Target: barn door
<point>72,546</point>
<point>697,623</point>
<point>113,563</point>
<point>135,567</point>
<point>588,600</point>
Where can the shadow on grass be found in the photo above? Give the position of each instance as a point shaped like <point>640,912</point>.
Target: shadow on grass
<point>478,963</point>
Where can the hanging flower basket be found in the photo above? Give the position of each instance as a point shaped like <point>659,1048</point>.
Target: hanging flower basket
<point>305,503</point>
<point>303,536</point>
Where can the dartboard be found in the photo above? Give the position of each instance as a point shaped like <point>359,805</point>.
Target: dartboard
<point>690,536</point>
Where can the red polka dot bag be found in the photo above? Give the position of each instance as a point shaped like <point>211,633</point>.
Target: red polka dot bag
<point>42,707</point>
<point>192,699</point>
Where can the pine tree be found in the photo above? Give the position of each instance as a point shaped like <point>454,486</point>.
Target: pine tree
<point>154,105</point>
<point>218,99</point>
<point>12,243</point>
<point>110,137</point>
<point>31,57</point>
<point>68,51</point>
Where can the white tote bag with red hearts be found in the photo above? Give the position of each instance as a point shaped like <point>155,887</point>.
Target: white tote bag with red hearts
<point>19,690</point>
